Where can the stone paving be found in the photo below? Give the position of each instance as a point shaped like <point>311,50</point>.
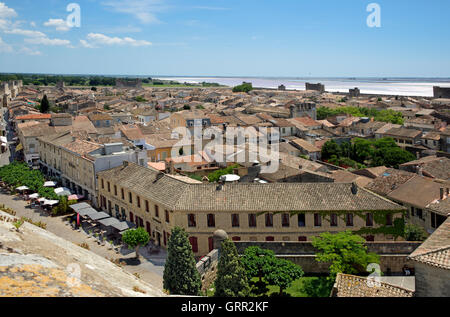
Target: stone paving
<point>150,268</point>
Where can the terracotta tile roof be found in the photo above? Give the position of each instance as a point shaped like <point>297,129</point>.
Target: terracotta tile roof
<point>435,251</point>
<point>276,197</point>
<point>307,121</point>
<point>390,180</point>
<point>340,176</point>
<point>160,166</point>
<point>305,145</point>
<point>82,147</point>
<point>357,286</point>
<point>403,132</point>
<point>417,191</point>
<point>248,119</point>
<point>100,116</point>
<point>326,123</point>
<point>132,132</point>
<point>387,127</point>
<point>432,166</point>
<point>82,123</point>
<point>42,116</point>
<point>441,206</point>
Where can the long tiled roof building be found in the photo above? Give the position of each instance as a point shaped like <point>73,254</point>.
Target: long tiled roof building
<point>250,212</point>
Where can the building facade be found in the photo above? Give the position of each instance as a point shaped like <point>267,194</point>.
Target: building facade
<point>248,212</point>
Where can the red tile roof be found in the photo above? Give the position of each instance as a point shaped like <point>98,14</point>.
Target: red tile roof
<point>34,116</point>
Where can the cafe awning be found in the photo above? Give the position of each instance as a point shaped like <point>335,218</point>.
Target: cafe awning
<point>51,202</point>
<point>109,222</point>
<point>49,184</point>
<point>87,212</point>
<point>80,206</point>
<point>34,196</point>
<point>98,215</point>
<point>123,225</point>
<point>62,191</point>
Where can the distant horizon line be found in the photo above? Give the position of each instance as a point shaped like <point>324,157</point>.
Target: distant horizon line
<point>224,76</point>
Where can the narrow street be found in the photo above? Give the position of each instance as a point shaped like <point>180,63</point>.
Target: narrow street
<point>150,269</point>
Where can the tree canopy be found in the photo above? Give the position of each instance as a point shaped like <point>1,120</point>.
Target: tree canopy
<point>135,238</point>
<point>390,116</point>
<point>180,273</point>
<point>256,261</point>
<point>245,87</point>
<point>362,152</point>
<point>282,273</point>
<point>19,174</point>
<point>231,280</point>
<point>344,251</point>
<point>415,233</point>
<point>45,105</point>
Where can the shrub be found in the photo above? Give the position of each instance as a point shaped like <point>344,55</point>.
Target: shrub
<point>415,233</point>
<point>84,245</point>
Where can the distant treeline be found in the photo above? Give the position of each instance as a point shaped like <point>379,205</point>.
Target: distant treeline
<point>80,80</point>
<point>49,80</point>
<point>385,115</point>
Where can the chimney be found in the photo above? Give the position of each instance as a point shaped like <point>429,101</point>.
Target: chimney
<point>442,193</point>
<point>354,188</point>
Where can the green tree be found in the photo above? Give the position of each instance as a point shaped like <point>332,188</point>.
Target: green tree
<point>45,105</point>
<point>245,87</point>
<point>329,149</point>
<point>134,238</point>
<point>215,176</point>
<point>393,157</point>
<point>256,261</point>
<point>231,280</point>
<point>282,273</point>
<point>414,233</point>
<point>344,251</point>
<point>317,286</point>
<point>180,273</point>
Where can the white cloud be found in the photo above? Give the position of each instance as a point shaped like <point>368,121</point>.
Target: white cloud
<point>37,37</point>
<point>143,10</point>
<point>26,33</point>
<point>47,41</point>
<point>59,24</point>
<point>84,43</point>
<point>98,39</point>
<point>29,51</point>
<point>5,48</point>
<point>6,12</point>
<point>33,24</point>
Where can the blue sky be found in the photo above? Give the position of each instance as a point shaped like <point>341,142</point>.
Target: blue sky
<point>320,38</point>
